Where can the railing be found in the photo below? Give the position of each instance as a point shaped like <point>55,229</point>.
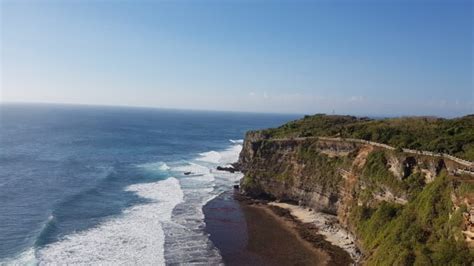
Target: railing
<point>468,164</point>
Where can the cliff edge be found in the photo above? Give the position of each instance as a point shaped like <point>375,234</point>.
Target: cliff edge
<point>403,206</point>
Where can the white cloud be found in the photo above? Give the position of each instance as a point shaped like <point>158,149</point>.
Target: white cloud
<point>356,99</point>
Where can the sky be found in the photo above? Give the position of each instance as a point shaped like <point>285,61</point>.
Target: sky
<point>383,57</point>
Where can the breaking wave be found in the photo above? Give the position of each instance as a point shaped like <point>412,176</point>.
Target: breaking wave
<point>167,229</point>
<point>186,241</point>
<point>156,166</point>
<point>136,236</point>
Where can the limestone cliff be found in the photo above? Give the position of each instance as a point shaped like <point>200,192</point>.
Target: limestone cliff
<point>372,190</point>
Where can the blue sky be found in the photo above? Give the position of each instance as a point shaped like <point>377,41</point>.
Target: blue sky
<point>355,57</point>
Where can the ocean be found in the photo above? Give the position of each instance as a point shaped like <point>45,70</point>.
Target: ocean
<point>89,184</point>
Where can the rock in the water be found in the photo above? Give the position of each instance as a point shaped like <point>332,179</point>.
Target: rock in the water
<point>228,169</point>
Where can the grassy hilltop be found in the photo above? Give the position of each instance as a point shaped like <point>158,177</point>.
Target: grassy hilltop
<point>452,136</point>
<point>404,209</point>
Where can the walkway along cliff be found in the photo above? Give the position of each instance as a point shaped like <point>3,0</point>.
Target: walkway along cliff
<point>404,206</point>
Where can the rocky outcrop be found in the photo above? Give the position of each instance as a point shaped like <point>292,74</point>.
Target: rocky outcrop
<point>230,169</point>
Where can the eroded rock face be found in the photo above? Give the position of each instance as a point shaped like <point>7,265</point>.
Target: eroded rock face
<point>395,167</point>
<point>252,142</point>
<point>315,173</point>
<point>341,178</point>
<point>409,166</point>
<point>304,171</point>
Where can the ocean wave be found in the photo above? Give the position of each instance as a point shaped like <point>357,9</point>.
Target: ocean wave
<point>135,237</point>
<point>155,166</point>
<point>198,172</point>
<point>169,229</point>
<point>237,141</point>
<point>186,240</point>
<point>27,257</point>
<point>229,155</point>
<point>192,167</point>
<point>210,157</point>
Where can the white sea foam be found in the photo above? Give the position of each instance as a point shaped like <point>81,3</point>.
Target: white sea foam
<point>169,229</point>
<point>155,167</point>
<point>25,258</point>
<point>237,141</point>
<point>192,167</point>
<point>135,237</point>
<point>198,172</point>
<point>229,155</point>
<point>186,241</point>
<point>210,157</point>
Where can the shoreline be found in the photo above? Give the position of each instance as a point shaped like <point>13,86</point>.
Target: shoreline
<point>251,234</point>
<point>326,225</point>
<point>256,232</point>
<point>319,230</point>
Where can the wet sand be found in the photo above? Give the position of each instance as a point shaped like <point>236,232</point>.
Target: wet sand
<point>253,235</point>
<point>327,226</point>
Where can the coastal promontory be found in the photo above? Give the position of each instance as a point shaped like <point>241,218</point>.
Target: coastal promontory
<point>402,187</point>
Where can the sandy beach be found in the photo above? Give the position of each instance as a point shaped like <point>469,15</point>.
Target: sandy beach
<point>252,235</point>
<point>327,226</point>
<point>250,232</point>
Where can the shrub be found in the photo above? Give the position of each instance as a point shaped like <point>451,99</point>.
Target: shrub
<point>419,233</point>
<point>454,136</point>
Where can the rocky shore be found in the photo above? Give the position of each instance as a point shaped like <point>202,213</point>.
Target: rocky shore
<point>320,230</point>
<point>250,232</point>
<point>325,225</point>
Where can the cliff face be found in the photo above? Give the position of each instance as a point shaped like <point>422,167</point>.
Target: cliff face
<point>302,171</point>
<point>369,188</point>
<point>321,173</point>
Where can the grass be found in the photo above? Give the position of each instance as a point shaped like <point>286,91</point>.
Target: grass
<point>321,169</point>
<point>453,136</point>
<point>423,232</point>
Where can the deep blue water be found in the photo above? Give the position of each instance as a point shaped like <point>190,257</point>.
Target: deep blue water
<point>68,169</point>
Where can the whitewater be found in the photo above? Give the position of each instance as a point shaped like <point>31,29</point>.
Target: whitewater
<point>168,228</point>
<point>107,185</point>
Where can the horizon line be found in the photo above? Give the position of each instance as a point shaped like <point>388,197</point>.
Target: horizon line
<point>373,116</point>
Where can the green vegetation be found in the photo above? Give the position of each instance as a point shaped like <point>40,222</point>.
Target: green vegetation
<point>425,229</point>
<point>420,233</point>
<point>321,169</point>
<point>414,184</point>
<point>453,136</point>
<point>378,178</point>
<point>465,189</point>
<point>248,181</point>
<point>317,169</point>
